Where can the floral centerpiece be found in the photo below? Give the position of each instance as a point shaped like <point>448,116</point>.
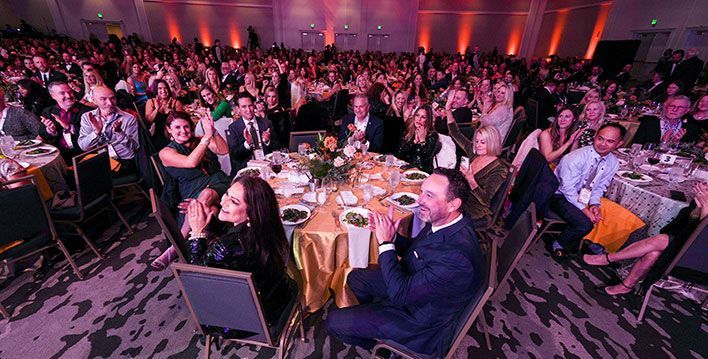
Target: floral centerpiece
<point>329,160</point>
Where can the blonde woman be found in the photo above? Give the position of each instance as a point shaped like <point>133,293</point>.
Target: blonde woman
<point>249,85</point>
<point>212,79</point>
<point>501,113</point>
<point>91,80</point>
<point>590,120</point>
<point>175,86</point>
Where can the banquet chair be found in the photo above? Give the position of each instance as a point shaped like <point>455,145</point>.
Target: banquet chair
<point>229,299</point>
<point>170,228</point>
<point>463,325</point>
<point>26,226</point>
<point>532,113</point>
<point>92,175</point>
<point>700,232</point>
<point>341,99</point>
<point>299,137</point>
<point>515,131</point>
<point>496,204</point>
<point>393,130</point>
<point>159,169</point>
<point>506,253</point>
<point>466,129</point>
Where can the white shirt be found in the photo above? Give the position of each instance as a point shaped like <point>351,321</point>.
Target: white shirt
<point>44,76</point>
<point>258,132</point>
<point>391,246</point>
<point>361,125</point>
<point>2,121</point>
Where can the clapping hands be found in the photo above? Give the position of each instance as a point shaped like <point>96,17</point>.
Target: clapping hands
<point>383,225</point>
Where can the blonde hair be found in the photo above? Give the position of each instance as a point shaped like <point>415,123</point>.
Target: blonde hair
<point>508,97</point>
<point>492,137</point>
<point>603,110</point>
<point>99,80</point>
<point>592,90</point>
<point>177,88</point>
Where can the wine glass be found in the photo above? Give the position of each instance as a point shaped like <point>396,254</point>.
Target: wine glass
<point>367,193</point>
<point>321,195</point>
<point>364,148</point>
<point>390,159</point>
<point>624,111</point>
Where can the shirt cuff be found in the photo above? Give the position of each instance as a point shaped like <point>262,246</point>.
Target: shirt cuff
<point>387,247</point>
<point>246,145</point>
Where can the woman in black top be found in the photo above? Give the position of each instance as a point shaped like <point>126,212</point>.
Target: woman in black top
<point>33,96</point>
<point>256,243</point>
<point>420,144</point>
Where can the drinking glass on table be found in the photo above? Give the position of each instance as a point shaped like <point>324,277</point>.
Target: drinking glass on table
<point>367,193</point>
<point>394,179</point>
<point>302,149</point>
<point>321,195</point>
<point>364,148</point>
<point>624,111</point>
<point>390,160</point>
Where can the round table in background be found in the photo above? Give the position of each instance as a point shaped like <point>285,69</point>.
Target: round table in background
<point>50,166</point>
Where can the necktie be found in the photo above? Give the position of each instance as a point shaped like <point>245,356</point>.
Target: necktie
<point>592,174</point>
<point>254,136</point>
<point>45,78</point>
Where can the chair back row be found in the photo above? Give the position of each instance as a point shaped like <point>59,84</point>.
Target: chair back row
<point>92,174</point>
<point>296,138</point>
<point>507,253</point>
<point>169,226</point>
<point>24,214</point>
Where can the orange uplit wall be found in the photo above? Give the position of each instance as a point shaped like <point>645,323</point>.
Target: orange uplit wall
<point>234,36</point>
<point>597,30</point>
<point>424,34</point>
<point>464,33</point>
<point>512,46</point>
<point>172,28</point>
<point>558,30</point>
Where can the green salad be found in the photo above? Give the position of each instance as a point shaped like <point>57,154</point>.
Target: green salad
<point>415,176</point>
<point>633,175</point>
<point>405,200</point>
<point>252,172</point>
<point>356,220</point>
<point>293,215</point>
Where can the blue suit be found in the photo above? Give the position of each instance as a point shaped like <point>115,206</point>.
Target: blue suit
<point>238,153</point>
<point>374,131</point>
<point>415,301</point>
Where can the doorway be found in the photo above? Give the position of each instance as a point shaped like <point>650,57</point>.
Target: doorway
<point>102,28</point>
<point>345,41</point>
<point>378,42</point>
<point>312,40</point>
<point>651,46</point>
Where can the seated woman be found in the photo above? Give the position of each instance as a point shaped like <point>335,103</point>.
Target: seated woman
<point>218,107</point>
<point>212,79</point>
<point>249,85</point>
<point>610,92</point>
<point>137,83</point>
<point>590,120</point>
<point>556,141</point>
<point>486,171</point>
<point>176,88</point>
<point>649,249</point>
<point>192,163</point>
<point>157,109</point>
<point>420,143</point>
<point>501,113</point>
<point>256,243</point>
<point>33,96</point>
<point>593,95</point>
<point>91,80</point>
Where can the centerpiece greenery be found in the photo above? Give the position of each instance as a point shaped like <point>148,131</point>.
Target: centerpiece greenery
<point>329,159</point>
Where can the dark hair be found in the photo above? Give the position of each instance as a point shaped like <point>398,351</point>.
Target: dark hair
<point>457,186</point>
<point>177,115</point>
<point>620,128</point>
<point>161,81</point>
<point>375,91</point>
<point>266,239</point>
<point>679,51</point>
<point>245,94</point>
<point>429,119</point>
<point>208,88</point>
<point>556,140</point>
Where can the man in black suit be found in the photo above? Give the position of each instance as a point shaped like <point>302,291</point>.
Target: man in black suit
<point>460,111</point>
<point>69,66</point>
<point>366,127</point>
<point>624,76</point>
<point>676,58</point>
<point>656,87</point>
<point>688,70</point>
<point>546,108</point>
<point>417,300</point>
<point>249,137</point>
<point>669,127</point>
<point>63,120</point>
<point>44,73</point>
<point>228,77</point>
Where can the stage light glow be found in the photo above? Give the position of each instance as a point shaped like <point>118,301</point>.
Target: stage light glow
<point>512,46</point>
<point>558,27</point>
<point>597,31</point>
<point>234,35</point>
<point>172,27</point>
<point>464,33</point>
<point>424,33</point>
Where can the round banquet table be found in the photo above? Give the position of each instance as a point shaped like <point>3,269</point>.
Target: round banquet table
<point>652,201</point>
<point>321,245</point>
<point>48,169</point>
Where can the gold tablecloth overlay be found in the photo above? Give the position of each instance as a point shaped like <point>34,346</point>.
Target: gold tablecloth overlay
<point>321,247</point>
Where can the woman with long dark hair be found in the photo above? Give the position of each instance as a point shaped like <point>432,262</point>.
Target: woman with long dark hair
<point>158,108</point>
<point>420,143</point>
<point>211,100</point>
<point>556,141</point>
<point>256,243</point>
<point>33,96</point>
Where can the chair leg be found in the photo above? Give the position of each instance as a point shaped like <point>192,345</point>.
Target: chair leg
<point>207,346</point>
<point>485,330</point>
<point>63,249</point>
<point>4,312</point>
<point>88,240</point>
<point>645,302</point>
<point>122,219</point>
<point>302,325</point>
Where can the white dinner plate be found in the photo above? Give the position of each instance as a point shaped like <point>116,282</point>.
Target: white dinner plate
<point>396,162</point>
<point>298,207</point>
<point>286,157</point>
<point>243,171</point>
<point>377,191</point>
<point>394,199</point>
<point>48,151</point>
<point>644,179</point>
<point>29,144</point>
<point>624,150</point>
<point>404,176</point>
<point>359,210</point>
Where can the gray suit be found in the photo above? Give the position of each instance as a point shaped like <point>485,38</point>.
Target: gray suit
<point>21,124</point>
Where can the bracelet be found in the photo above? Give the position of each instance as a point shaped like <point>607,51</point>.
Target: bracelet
<point>385,242</point>
<point>197,235</point>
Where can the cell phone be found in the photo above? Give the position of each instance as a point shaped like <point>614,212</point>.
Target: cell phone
<point>678,196</point>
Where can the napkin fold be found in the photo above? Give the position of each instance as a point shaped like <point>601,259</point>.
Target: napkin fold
<point>349,198</point>
<point>359,239</point>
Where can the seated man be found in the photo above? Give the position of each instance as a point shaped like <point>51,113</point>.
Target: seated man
<point>63,120</point>
<point>110,125</point>
<point>584,175</point>
<point>668,127</point>
<point>249,137</point>
<point>457,100</point>
<point>17,122</point>
<point>368,128</point>
<point>416,301</point>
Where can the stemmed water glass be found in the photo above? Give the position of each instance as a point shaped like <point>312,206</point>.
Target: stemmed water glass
<point>367,193</point>
<point>394,179</point>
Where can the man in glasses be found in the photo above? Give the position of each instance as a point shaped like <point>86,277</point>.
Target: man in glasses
<point>669,127</point>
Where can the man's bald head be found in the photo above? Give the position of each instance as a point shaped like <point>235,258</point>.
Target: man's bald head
<point>104,98</point>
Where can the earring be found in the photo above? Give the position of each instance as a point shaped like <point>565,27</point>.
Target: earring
<point>248,224</point>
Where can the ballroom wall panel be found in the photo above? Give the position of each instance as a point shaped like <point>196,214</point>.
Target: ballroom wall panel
<point>476,5</point>
<point>209,21</point>
<point>35,12</point>
<point>569,32</point>
<point>71,12</point>
<point>675,16</point>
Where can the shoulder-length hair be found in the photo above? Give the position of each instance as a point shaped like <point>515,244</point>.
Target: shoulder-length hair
<point>167,86</point>
<point>491,135</point>
<point>556,139</point>
<point>216,96</point>
<point>266,238</point>
<point>602,110</point>
<point>508,101</point>
<point>99,80</point>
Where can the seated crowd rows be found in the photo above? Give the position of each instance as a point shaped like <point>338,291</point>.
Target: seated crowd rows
<point>206,113</point>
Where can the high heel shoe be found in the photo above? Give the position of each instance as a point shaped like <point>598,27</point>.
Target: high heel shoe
<point>164,260</point>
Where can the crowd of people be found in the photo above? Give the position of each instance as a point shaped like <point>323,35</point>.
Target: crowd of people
<point>207,110</point>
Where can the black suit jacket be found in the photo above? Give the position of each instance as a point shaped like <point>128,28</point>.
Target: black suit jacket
<point>649,131</point>
<point>54,75</point>
<point>657,93</point>
<point>432,283</point>
<point>546,107</point>
<point>231,79</point>
<point>76,111</point>
<point>374,131</point>
<point>238,153</point>
<point>688,71</point>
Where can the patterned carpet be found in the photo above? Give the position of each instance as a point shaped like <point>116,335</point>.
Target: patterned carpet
<point>124,309</point>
